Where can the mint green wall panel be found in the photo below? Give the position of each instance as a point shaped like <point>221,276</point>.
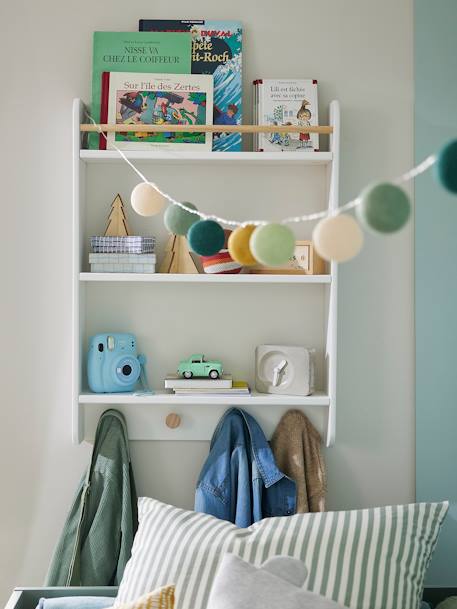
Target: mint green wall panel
<point>436,276</point>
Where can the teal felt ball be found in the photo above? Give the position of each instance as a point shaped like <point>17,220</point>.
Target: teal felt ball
<point>178,220</point>
<point>206,237</point>
<point>385,208</point>
<point>272,244</point>
<point>446,167</point>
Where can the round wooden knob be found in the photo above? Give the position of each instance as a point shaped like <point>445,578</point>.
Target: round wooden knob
<point>173,420</point>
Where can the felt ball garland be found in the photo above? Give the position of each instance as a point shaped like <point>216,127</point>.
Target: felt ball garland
<point>385,208</point>
<point>146,200</point>
<point>338,238</point>
<point>206,237</point>
<point>238,245</point>
<point>272,244</point>
<point>177,220</point>
<point>446,167</point>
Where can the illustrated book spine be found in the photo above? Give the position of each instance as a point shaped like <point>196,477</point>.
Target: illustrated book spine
<point>216,50</point>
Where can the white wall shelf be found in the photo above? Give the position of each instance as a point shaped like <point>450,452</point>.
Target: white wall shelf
<point>163,397</point>
<point>176,157</point>
<point>173,318</point>
<point>202,278</point>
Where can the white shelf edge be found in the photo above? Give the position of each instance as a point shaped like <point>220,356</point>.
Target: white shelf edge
<point>164,398</point>
<point>202,278</point>
<point>165,157</point>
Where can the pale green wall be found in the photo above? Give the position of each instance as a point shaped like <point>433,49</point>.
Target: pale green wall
<point>436,276</point>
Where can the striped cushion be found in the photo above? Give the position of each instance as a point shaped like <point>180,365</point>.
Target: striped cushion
<point>364,559</point>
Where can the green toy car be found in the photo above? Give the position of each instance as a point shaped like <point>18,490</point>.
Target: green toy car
<point>196,365</point>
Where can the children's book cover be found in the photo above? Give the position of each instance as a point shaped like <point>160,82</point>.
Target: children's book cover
<point>160,99</point>
<point>136,52</point>
<point>288,102</point>
<point>216,50</point>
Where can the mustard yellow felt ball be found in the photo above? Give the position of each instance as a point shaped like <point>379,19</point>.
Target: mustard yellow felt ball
<point>238,245</point>
<point>146,200</point>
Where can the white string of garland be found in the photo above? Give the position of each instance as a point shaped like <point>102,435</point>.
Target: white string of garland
<point>384,208</point>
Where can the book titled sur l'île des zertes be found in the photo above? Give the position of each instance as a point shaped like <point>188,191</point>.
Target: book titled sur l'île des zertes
<point>159,99</point>
<point>216,50</point>
<point>136,52</point>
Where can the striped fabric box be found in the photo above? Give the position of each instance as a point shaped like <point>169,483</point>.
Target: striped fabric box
<point>122,263</point>
<point>220,264</point>
<point>122,245</point>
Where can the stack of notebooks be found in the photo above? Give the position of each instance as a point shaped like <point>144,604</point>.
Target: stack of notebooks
<point>130,254</point>
<point>223,386</point>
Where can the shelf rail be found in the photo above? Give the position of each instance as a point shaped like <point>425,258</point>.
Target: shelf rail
<point>109,128</point>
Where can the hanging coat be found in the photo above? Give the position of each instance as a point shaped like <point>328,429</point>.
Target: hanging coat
<point>240,480</point>
<point>97,537</point>
<point>296,445</point>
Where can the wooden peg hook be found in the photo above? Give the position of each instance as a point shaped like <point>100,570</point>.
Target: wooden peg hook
<point>173,420</point>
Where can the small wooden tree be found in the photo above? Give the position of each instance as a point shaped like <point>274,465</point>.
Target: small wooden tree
<point>178,258</point>
<point>117,221</point>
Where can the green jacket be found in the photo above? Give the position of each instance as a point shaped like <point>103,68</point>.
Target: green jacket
<point>97,538</point>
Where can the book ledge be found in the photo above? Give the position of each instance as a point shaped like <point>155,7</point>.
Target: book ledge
<point>106,128</point>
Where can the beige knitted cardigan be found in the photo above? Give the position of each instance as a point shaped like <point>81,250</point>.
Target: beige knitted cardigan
<point>296,446</point>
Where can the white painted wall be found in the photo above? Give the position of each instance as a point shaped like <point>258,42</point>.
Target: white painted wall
<point>361,52</point>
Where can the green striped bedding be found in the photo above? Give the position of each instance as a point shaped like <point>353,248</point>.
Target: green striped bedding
<point>364,559</point>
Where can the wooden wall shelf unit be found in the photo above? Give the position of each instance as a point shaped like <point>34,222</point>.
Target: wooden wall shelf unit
<point>146,414</point>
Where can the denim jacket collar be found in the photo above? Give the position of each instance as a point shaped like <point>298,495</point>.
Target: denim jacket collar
<point>261,450</point>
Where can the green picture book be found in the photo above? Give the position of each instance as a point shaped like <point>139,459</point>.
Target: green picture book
<point>149,52</point>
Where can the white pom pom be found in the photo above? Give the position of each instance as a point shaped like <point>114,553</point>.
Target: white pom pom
<point>338,238</point>
<point>146,200</point>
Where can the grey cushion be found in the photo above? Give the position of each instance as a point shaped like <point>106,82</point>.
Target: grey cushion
<point>277,584</point>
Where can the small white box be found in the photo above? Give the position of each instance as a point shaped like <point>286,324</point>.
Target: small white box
<point>122,263</point>
<point>284,369</point>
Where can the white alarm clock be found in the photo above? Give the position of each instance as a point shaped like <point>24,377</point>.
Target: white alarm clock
<point>284,370</point>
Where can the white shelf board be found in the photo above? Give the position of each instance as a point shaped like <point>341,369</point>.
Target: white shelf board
<point>170,157</point>
<point>202,278</point>
<point>164,398</point>
<point>198,421</point>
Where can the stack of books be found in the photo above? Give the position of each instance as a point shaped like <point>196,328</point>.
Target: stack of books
<point>178,72</point>
<point>131,254</point>
<point>223,386</point>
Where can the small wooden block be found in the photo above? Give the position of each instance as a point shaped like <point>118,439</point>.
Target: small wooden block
<point>173,420</point>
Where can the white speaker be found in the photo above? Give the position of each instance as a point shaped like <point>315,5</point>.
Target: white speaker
<point>284,369</point>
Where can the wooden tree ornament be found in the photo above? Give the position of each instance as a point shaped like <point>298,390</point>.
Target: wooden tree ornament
<point>117,221</point>
<point>178,258</point>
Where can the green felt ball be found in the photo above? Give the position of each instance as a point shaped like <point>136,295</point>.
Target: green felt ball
<point>178,220</point>
<point>446,167</point>
<point>272,244</point>
<point>206,237</point>
<point>384,208</point>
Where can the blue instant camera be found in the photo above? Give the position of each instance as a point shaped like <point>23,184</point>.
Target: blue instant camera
<point>113,365</point>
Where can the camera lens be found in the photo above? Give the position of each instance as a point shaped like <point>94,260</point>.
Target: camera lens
<point>126,370</point>
<point>100,347</point>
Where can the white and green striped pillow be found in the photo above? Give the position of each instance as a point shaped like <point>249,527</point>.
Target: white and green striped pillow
<point>364,559</point>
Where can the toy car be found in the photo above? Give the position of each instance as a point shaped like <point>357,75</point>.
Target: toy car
<point>196,365</point>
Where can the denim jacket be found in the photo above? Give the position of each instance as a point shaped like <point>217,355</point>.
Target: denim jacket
<point>240,481</point>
